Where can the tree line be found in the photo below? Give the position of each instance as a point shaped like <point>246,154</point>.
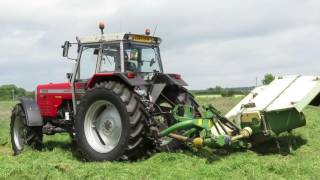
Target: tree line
<point>12,92</point>
<point>227,92</point>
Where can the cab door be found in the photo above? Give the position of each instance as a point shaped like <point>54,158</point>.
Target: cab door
<point>87,67</point>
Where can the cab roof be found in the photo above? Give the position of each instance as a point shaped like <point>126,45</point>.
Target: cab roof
<point>109,37</point>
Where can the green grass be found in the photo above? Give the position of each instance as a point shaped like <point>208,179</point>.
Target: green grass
<point>57,161</point>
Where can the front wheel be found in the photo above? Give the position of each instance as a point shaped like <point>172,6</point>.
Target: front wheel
<point>21,134</point>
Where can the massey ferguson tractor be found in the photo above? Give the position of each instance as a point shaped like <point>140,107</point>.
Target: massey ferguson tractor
<point>118,104</point>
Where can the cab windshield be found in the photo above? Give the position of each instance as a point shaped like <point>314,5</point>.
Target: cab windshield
<point>142,58</point>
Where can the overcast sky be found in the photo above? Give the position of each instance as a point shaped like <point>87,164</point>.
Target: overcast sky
<point>209,42</point>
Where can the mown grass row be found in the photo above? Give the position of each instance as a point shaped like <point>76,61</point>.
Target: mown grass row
<point>58,161</point>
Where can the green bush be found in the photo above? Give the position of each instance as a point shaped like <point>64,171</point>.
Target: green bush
<point>8,91</point>
<point>225,92</point>
<point>228,93</point>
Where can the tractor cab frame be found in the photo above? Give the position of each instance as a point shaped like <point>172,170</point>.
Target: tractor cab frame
<point>111,54</point>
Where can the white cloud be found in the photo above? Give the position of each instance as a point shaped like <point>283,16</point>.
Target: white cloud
<point>210,42</point>
<point>237,62</point>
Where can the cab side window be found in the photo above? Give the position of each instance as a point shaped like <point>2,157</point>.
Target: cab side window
<point>110,60</point>
<point>88,61</point>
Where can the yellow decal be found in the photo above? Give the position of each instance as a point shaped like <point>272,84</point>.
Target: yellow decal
<point>210,123</point>
<point>200,122</point>
<point>144,39</point>
<point>248,117</point>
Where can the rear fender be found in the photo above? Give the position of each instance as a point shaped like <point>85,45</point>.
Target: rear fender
<point>169,79</point>
<point>32,112</point>
<point>126,78</point>
<point>163,82</point>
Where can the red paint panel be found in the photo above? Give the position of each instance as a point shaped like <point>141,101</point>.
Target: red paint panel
<point>50,97</point>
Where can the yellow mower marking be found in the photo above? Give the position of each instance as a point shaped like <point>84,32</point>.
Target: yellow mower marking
<point>249,116</point>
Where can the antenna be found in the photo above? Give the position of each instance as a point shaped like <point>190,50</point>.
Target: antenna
<point>155,30</point>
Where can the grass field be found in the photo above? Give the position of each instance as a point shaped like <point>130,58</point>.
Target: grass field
<point>58,162</point>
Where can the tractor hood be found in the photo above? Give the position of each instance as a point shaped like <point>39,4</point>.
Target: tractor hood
<point>54,88</point>
<point>50,97</point>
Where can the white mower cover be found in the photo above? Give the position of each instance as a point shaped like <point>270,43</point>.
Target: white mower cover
<point>283,93</point>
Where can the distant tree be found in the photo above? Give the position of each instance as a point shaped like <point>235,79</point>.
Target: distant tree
<point>30,94</point>
<point>7,92</point>
<point>210,89</point>
<point>227,93</point>
<point>218,88</point>
<point>268,78</point>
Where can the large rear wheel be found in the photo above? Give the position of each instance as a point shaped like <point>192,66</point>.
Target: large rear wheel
<point>109,123</point>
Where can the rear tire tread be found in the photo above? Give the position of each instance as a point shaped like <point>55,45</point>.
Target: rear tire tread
<point>130,100</point>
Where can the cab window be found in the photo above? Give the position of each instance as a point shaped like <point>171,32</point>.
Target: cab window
<point>88,61</point>
<point>110,59</point>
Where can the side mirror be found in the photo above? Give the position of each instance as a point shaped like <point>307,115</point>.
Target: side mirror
<point>69,76</point>
<point>66,47</point>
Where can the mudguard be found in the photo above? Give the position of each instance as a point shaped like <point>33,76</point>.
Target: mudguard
<point>31,109</point>
<point>169,79</point>
<point>132,81</point>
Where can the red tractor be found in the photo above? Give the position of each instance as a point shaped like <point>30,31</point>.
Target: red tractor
<point>115,103</point>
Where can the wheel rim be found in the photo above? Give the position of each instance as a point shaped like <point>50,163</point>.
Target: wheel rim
<point>102,126</point>
<point>19,131</point>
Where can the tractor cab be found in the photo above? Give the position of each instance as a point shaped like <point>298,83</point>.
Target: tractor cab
<point>119,52</point>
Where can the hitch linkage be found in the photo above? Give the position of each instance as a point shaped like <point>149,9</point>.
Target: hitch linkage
<point>206,130</point>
